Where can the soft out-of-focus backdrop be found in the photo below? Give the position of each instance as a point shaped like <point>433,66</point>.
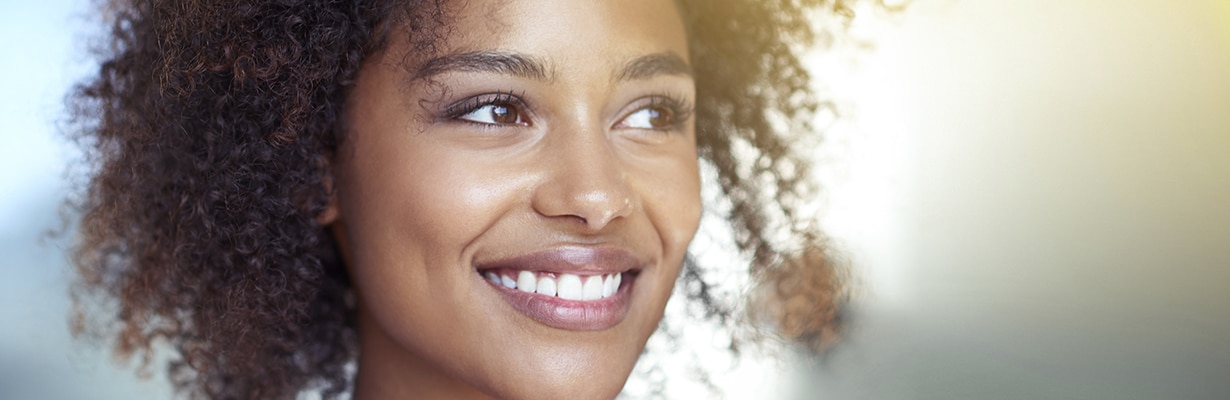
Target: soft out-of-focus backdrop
<point>1035,195</point>
<point>1039,200</point>
<point>41,54</point>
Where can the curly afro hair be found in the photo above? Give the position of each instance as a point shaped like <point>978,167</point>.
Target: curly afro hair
<point>207,131</point>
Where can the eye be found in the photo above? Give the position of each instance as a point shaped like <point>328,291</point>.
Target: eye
<point>655,117</point>
<point>495,114</point>
<point>657,113</point>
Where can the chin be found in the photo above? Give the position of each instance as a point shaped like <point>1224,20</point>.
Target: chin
<point>569,376</point>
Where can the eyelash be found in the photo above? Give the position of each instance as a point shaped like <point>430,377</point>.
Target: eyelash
<point>469,105</point>
<point>681,109</point>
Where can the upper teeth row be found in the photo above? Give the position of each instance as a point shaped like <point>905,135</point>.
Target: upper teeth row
<point>564,286</point>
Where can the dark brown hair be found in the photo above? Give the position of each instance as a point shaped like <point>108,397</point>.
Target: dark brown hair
<point>207,132</point>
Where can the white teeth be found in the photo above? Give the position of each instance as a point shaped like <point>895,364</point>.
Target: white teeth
<point>527,282</point>
<point>565,286</point>
<point>569,287</point>
<point>546,286</point>
<point>608,285</point>
<point>593,288</point>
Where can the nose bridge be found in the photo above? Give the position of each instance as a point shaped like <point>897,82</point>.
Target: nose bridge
<point>587,180</point>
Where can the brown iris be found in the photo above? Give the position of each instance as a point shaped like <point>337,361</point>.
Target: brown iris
<point>661,117</point>
<point>505,114</point>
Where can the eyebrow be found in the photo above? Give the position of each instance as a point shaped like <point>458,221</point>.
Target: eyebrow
<point>496,62</point>
<point>528,67</point>
<point>649,66</point>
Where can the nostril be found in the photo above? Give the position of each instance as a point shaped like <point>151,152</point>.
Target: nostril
<point>599,208</point>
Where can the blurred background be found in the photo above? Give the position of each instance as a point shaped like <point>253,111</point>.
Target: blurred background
<point>1038,197</point>
<point>1034,194</point>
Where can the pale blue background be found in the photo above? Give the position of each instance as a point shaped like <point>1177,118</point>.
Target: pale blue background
<point>38,359</point>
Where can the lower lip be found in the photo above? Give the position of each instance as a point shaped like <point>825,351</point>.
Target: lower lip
<point>594,315</point>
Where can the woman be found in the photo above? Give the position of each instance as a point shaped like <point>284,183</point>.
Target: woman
<point>466,199</point>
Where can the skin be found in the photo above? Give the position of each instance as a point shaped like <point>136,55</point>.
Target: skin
<point>423,196</point>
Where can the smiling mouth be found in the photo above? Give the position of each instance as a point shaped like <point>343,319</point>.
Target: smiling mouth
<point>571,287</point>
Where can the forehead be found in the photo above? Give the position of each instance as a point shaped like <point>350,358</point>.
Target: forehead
<point>565,29</point>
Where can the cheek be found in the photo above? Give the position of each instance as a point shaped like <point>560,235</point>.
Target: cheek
<point>437,198</point>
<point>671,195</point>
<point>451,198</point>
<point>688,208</point>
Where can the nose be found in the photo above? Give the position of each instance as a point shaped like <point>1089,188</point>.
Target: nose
<point>586,181</point>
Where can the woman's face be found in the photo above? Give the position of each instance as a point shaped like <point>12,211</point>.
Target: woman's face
<point>515,207</point>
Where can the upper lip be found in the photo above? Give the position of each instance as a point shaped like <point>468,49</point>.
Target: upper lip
<point>581,260</point>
